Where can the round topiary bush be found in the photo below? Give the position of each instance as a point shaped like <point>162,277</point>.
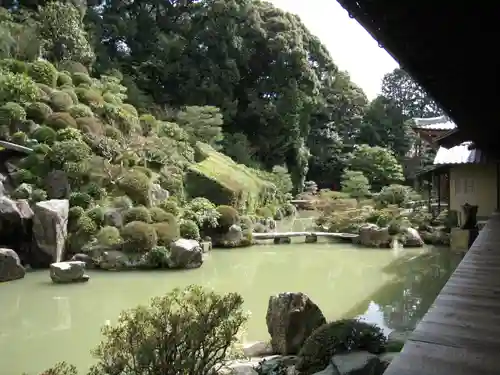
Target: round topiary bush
<point>90,125</point>
<point>61,120</point>
<point>97,214</point>
<point>139,237</point>
<point>109,236</point>
<point>60,101</point>
<point>81,78</point>
<point>137,186</point>
<point>19,138</point>
<point>95,191</point>
<point>38,112</point>
<point>130,109</point>
<point>289,209</point>
<point>189,230</point>
<point>78,199</point>
<point>64,79</point>
<point>11,115</point>
<point>44,134</point>
<point>43,72</point>
<point>228,216</point>
<point>111,98</point>
<point>122,203</point>
<point>14,66</point>
<point>18,88</point>
<point>113,133</point>
<point>139,213</point>
<point>69,134</point>
<point>74,214</point>
<point>71,92</point>
<point>246,223</point>
<point>85,225</point>
<point>170,206</point>
<point>158,215</point>
<point>80,110</point>
<point>148,124</point>
<point>88,96</point>
<point>264,212</point>
<point>69,151</point>
<point>167,232</point>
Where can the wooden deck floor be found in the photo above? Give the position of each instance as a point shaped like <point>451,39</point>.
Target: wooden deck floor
<point>460,334</point>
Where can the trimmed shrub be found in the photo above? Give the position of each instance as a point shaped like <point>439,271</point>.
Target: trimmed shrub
<point>264,212</point>
<point>122,203</point>
<point>39,195</point>
<point>88,96</point>
<point>289,209</point>
<point>109,236</point>
<point>149,124</point>
<point>71,92</point>
<point>42,71</point>
<point>170,206</point>
<point>228,216</point>
<point>80,110</point>
<point>11,115</point>
<point>38,112</point>
<point>60,101</point>
<point>19,138</point>
<point>97,214</point>
<point>69,151</point>
<point>139,237</point>
<point>18,88</point>
<point>189,230</point>
<point>130,109</point>
<point>113,133</point>
<point>64,79</point>
<point>81,78</point>
<point>69,134</point>
<point>72,67</point>
<point>61,120</point>
<point>139,213</point>
<point>111,98</point>
<point>90,125</point>
<point>14,66</point>
<point>44,134</point>
<point>167,232</point>
<point>136,185</point>
<point>82,200</point>
<point>158,215</point>
<point>95,191</point>
<point>246,223</point>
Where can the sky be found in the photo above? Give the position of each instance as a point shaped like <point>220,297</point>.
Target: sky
<point>350,45</point>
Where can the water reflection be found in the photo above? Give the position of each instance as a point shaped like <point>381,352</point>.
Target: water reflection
<point>415,281</point>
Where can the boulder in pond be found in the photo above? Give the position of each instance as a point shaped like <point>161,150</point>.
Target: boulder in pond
<point>87,259</point>
<point>185,254</point>
<point>50,226</point>
<point>371,235</point>
<point>291,318</point>
<point>10,266</point>
<point>68,272</point>
<point>411,238</point>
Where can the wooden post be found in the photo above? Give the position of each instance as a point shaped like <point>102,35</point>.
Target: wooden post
<point>439,192</point>
<point>429,188</point>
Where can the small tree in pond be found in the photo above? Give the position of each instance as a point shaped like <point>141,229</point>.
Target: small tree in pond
<point>355,184</point>
<point>187,332</point>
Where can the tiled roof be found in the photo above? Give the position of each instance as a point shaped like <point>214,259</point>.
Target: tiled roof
<point>434,123</point>
<point>460,154</point>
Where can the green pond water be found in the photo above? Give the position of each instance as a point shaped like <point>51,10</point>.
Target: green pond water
<point>42,323</point>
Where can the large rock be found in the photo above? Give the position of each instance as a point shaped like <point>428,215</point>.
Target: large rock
<point>158,194</point>
<point>50,226</point>
<point>185,254</point>
<point>411,238</point>
<point>68,272</point>
<point>291,318</point>
<point>10,266</point>
<point>57,185</point>
<point>357,363</point>
<point>371,235</point>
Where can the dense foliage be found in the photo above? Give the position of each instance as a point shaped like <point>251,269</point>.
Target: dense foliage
<point>258,85</point>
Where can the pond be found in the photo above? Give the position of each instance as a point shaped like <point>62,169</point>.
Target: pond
<point>42,323</point>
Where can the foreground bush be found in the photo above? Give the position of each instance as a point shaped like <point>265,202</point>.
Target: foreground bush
<point>186,332</point>
<point>338,337</point>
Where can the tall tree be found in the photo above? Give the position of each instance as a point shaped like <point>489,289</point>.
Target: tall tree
<point>408,95</point>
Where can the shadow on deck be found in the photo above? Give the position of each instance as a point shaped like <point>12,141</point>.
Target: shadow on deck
<point>460,334</point>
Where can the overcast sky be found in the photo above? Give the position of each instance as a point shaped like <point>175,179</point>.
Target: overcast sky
<point>351,47</point>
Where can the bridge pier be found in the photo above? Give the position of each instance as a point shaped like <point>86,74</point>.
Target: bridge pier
<point>311,238</point>
<point>282,240</point>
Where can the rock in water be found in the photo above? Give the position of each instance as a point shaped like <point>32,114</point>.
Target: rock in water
<point>185,254</point>
<point>357,363</point>
<point>411,238</point>
<point>50,226</point>
<point>10,266</point>
<point>291,318</point>
<point>68,272</point>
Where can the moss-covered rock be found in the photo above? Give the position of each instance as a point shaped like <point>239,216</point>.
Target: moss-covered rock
<point>61,120</point>
<point>139,213</point>
<point>38,112</point>
<point>60,101</point>
<point>136,185</point>
<point>224,182</point>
